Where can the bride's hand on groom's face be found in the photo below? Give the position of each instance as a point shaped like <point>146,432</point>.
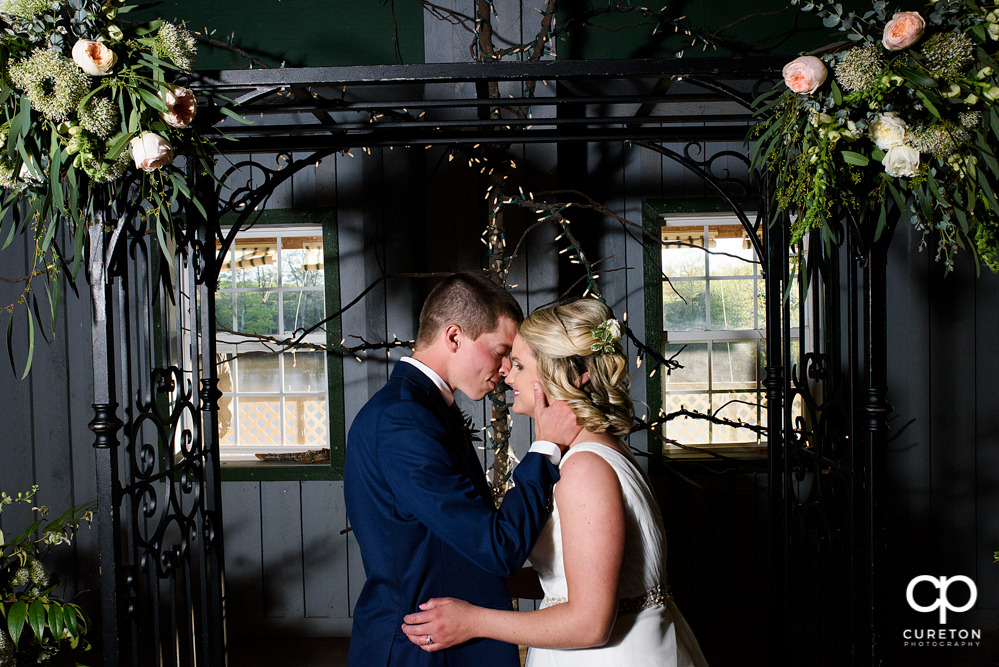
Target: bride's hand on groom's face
<point>553,422</point>
<point>444,620</point>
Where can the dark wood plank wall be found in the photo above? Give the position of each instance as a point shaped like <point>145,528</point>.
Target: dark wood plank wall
<point>943,484</point>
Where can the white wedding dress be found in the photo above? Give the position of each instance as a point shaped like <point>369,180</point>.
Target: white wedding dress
<point>649,631</point>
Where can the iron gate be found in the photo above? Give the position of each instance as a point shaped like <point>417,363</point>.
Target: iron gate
<point>161,550</point>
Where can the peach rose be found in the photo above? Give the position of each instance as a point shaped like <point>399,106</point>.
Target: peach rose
<point>93,57</point>
<point>151,151</point>
<point>181,106</point>
<point>805,74</point>
<point>904,30</point>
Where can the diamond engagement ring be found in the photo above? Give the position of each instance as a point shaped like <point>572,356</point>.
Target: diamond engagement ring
<point>429,640</point>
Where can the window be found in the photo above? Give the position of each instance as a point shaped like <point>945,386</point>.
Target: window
<point>714,316</point>
<point>272,285</point>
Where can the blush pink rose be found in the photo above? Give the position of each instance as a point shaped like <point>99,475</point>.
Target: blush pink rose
<point>181,106</point>
<point>805,74</point>
<point>93,57</point>
<point>904,30</point>
<point>151,151</point>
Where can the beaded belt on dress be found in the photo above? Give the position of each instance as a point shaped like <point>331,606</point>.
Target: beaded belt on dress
<point>650,599</point>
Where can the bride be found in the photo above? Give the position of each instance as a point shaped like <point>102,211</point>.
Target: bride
<point>601,557</point>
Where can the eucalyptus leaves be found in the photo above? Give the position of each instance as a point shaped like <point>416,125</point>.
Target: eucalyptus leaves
<point>906,113</point>
<point>85,97</point>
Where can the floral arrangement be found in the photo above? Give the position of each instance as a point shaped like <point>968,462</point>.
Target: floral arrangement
<point>903,110</point>
<point>88,99</point>
<point>35,625</point>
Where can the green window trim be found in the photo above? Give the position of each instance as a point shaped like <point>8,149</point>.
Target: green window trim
<point>652,210</point>
<point>251,471</point>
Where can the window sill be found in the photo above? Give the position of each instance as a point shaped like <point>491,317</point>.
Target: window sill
<point>262,471</point>
<point>747,452</point>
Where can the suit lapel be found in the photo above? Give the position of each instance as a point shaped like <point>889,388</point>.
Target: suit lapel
<point>458,443</point>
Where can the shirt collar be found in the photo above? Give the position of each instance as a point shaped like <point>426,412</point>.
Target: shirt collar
<point>434,377</point>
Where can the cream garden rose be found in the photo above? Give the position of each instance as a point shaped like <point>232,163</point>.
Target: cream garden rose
<point>181,106</point>
<point>805,74</point>
<point>901,160</point>
<point>151,151</point>
<point>888,130</point>
<point>903,30</point>
<point>93,57</point>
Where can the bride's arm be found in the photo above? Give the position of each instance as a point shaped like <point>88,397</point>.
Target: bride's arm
<point>593,534</point>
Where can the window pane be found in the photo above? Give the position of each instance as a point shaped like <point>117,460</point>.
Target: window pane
<point>258,372</point>
<point>305,371</point>
<point>694,374</point>
<point>682,252</point>
<point>257,312</point>
<point>732,304</point>
<point>256,262</point>
<point>735,407</point>
<point>259,420</point>
<point>225,275</point>
<point>303,308</point>
<point>687,431</point>
<point>793,299</point>
<point>733,365</point>
<point>302,260</point>
<point>305,421</point>
<point>680,316</point>
<point>730,256</point>
<point>223,309</point>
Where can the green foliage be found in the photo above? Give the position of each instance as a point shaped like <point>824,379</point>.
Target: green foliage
<point>84,96</point>
<point>36,626</point>
<point>917,126</point>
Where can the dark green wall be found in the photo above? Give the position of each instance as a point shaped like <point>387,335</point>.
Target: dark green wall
<point>301,33</point>
<point>741,28</point>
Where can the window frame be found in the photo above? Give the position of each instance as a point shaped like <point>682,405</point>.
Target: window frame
<point>652,212</point>
<point>336,428</point>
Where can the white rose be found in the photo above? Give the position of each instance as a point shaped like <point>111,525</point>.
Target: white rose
<point>151,151</point>
<point>181,106</point>
<point>614,329</point>
<point>93,57</point>
<point>901,160</point>
<point>888,130</point>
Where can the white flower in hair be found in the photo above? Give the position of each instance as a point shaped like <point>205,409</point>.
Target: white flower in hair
<point>608,333</point>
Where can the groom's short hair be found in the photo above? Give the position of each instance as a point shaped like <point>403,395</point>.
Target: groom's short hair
<point>470,300</point>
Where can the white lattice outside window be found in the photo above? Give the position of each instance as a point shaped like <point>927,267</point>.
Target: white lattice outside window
<point>272,285</point>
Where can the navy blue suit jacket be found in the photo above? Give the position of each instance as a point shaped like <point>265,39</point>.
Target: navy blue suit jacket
<point>423,516</point>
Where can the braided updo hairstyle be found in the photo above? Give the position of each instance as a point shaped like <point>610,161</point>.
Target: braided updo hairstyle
<point>560,337</point>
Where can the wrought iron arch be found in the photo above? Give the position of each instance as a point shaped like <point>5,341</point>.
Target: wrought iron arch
<point>170,537</point>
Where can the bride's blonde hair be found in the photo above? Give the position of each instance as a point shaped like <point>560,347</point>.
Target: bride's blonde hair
<point>561,339</point>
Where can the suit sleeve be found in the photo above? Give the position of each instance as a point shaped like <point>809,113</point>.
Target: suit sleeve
<point>429,486</point>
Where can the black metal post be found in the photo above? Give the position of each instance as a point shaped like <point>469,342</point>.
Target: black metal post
<point>875,409</point>
<point>213,579</point>
<point>105,426</point>
<point>774,238</point>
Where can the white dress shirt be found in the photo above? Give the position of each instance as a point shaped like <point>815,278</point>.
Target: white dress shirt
<point>547,449</point>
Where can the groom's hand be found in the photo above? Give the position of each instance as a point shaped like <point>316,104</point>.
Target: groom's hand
<point>554,423</point>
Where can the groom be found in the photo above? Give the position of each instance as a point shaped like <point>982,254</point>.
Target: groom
<point>416,495</point>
